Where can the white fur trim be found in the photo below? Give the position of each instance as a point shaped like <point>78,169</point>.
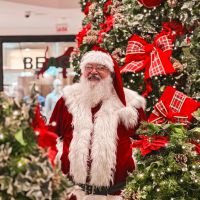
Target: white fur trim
<point>133,99</point>
<point>101,137</point>
<point>97,57</point>
<point>129,115</point>
<point>104,143</point>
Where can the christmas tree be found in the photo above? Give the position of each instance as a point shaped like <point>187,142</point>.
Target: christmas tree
<point>25,170</point>
<point>157,46</point>
<point>168,164</point>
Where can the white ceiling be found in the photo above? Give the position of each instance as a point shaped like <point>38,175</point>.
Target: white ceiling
<point>62,4</point>
<point>44,16</point>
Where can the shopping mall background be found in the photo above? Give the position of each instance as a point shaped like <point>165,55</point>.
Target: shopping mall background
<point>28,27</point>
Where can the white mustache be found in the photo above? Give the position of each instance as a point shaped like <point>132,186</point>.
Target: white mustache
<point>94,76</point>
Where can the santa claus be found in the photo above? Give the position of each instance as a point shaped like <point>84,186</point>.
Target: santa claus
<point>95,120</point>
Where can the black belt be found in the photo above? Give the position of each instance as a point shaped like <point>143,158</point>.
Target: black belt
<point>91,189</point>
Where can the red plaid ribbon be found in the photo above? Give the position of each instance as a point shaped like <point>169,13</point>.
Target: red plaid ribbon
<point>172,112</point>
<point>154,58</point>
<point>177,101</point>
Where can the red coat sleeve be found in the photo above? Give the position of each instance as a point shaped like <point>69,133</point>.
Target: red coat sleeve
<point>60,120</point>
<point>61,124</point>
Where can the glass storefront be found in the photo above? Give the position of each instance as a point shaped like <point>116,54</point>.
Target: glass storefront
<point>22,61</point>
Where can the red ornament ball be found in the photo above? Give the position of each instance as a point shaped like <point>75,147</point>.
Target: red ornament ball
<point>151,3</point>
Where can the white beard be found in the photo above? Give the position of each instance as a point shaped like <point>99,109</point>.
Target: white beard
<point>95,92</point>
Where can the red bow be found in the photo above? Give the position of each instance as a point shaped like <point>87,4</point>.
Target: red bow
<point>165,114</point>
<point>152,143</point>
<point>105,27</point>
<point>154,58</point>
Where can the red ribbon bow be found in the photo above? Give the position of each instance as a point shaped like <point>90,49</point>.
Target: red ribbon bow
<point>165,114</point>
<point>148,144</point>
<point>154,58</point>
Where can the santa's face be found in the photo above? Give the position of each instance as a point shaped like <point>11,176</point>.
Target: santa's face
<point>96,87</point>
<point>95,72</point>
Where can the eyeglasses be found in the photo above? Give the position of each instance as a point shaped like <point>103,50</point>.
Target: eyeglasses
<point>99,68</point>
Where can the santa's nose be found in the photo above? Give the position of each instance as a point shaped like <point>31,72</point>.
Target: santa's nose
<point>94,71</point>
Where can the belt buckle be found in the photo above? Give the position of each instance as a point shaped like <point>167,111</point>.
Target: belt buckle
<point>89,189</point>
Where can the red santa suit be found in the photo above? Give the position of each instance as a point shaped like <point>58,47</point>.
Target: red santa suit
<point>100,135</point>
<point>95,145</point>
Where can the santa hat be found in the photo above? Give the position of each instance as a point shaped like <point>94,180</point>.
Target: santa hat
<point>97,57</point>
<point>101,56</point>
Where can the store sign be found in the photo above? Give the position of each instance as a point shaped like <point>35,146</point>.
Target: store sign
<point>39,62</point>
<point>30,63</point>
<point>60,28</point>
